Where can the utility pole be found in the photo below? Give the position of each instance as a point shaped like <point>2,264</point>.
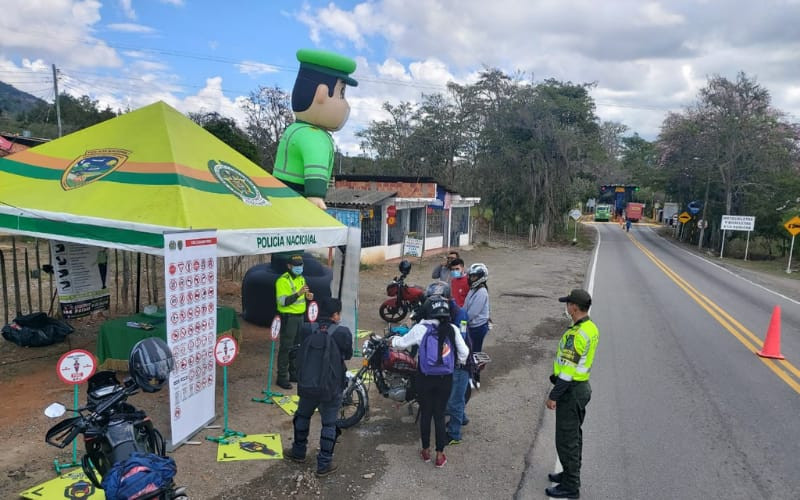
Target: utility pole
<point>705,204</point>
<point>58,106</point>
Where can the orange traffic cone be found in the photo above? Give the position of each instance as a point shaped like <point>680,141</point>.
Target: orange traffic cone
<point>772,345</point>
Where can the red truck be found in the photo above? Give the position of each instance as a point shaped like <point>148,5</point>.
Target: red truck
<point>633,211</point>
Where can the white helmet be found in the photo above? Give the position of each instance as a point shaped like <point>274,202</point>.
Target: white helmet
<point>480,271</point>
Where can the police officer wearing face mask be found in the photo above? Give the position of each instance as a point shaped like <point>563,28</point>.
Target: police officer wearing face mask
<point>291,293</point>
<point>571,391</point>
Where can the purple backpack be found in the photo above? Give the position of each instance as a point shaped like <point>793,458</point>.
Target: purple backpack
<point>429,354</point>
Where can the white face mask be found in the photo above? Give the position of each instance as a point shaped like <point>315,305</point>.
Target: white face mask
<point>566,313</point>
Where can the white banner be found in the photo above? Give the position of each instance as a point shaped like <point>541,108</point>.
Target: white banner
<point>80,273</point>
<point>412,247</point>
<point>738,223</point>
<point>190,274</point>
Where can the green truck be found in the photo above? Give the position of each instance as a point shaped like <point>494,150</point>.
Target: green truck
<point>602,213</point>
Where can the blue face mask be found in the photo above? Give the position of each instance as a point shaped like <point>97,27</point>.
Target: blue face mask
<point>455,273</point>
<point>297,270</point>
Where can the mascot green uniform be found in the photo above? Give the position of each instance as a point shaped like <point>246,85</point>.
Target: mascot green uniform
<point>305,152</point>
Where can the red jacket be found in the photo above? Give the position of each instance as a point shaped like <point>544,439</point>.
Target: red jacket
<point>459,288</point>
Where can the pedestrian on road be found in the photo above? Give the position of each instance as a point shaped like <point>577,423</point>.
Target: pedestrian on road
<point>291,293</point>
<point>442,271</point>
<point>477,308</point>
<point>321,381</point>
<point>571,391</point>
<point>440,349</point>
<point>459,283</point>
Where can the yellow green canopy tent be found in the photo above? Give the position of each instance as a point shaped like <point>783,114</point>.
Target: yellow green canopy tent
<point>124,182</point>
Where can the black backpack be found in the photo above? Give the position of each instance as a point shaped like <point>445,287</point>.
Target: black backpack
<point>320,365</point>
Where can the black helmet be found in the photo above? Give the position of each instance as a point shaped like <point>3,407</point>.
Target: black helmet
<point>405,266</point>
<point>150,364</point>
<point>436,307</point>
<point>480,273</point>
<point>438,288</point>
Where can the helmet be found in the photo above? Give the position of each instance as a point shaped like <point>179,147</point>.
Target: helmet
<point>436,307</point>
<point>438,288</point>
<point>405,266</point>
<point>480,271</point>
<point>150,364</point>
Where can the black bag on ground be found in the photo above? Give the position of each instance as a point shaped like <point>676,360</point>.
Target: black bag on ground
<point>36,330</point>
<point>319,365</point>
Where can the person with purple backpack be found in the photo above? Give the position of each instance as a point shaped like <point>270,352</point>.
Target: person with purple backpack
<point>441,347</point>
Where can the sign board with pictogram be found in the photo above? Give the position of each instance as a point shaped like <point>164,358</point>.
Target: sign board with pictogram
<point>225,350</point>
<point>275,328</point>
<point>684,217</point>
<point>575,214</point>
<point>313,311</point>
<point>76,366</point>
<point>793,225</point>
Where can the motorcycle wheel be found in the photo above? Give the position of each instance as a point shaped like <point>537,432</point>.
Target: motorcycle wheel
<point>392,314</point>
<point>354,405</point>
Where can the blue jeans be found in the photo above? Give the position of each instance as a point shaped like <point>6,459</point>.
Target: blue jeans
<point>457,402</point>
<point>328,411</point>
<point>477,334</point>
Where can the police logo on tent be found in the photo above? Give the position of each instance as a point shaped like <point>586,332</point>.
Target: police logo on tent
<point>92,166</point>
<point>237,183</point>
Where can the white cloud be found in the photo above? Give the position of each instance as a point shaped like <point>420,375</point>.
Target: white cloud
<point>255,68</point>
<point>127,8</point>
<point>653,13</point>
<point>131,28</point>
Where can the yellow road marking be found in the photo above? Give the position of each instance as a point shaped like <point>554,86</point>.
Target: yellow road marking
<point>782,368</point>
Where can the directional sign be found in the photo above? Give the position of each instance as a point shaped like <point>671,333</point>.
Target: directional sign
<point>684,217</point>
<point>793,225</point>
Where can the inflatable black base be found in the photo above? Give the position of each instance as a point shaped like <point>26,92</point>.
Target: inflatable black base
<point>258,287</point>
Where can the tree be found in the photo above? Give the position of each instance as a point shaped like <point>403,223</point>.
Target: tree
<point>226,130</point>
<point>268,111</point>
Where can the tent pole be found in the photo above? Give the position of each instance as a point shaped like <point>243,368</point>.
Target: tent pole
<point>138,280</point>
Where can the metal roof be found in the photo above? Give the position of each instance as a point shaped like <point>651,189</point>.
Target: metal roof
<point>357,197</point>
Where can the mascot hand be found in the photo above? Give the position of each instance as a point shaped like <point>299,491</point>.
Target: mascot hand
<point>319,202</point>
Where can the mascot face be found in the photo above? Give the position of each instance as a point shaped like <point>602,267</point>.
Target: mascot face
<point>328,112</point>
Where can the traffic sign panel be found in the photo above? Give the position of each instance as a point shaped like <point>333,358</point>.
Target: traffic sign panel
<point>793,225</point>
<point>684,217</point>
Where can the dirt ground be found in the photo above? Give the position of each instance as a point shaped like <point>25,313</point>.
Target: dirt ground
<point>377,457</point>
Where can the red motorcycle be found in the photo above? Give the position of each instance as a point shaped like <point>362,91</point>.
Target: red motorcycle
<point>402,298</point>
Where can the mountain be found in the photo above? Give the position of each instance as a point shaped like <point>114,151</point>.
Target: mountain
<point>12,100</point>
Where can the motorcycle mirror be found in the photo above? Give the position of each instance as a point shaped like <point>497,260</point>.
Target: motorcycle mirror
<point>55,410</point>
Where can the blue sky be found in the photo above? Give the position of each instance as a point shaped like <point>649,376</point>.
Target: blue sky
<point>647,58</point>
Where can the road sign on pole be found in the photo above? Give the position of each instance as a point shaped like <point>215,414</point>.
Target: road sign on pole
<point>793,225</point>
<point>684,217</point>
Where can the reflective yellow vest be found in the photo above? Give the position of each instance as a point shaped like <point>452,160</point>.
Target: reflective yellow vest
<point>286,286</point>
<point>576,351</point>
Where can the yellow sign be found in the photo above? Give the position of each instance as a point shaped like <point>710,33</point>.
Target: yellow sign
<point>793,225</point>
<point>251,447</point>
<point>73,484</point>
<point>684,217</point>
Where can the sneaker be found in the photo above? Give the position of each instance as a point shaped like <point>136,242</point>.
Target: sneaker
<point>288,454</point>
<point>452,441</point>
<point>327,470</point>
<point>440,461</point>
<point>426,455</point>
<point>466,421</point>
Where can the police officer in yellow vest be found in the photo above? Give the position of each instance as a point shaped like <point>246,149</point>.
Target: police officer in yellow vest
<point>571,392</point>
<point>291,293</point>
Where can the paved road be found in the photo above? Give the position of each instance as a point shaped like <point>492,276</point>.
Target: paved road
<point>682,407</point>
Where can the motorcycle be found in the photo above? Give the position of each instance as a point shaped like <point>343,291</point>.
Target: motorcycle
<point>402,298</point>
<point>393,373</point>
<point>113,430</point>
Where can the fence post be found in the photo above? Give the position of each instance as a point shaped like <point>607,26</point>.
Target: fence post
<point>39,274</point>
<point>15,272</point>
<point>5,285</point>
<point>28,281</point>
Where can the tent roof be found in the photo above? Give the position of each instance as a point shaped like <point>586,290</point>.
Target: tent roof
<point>124,182</point>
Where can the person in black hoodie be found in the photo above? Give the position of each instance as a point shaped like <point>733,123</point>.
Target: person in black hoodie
<point>328,405</point>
